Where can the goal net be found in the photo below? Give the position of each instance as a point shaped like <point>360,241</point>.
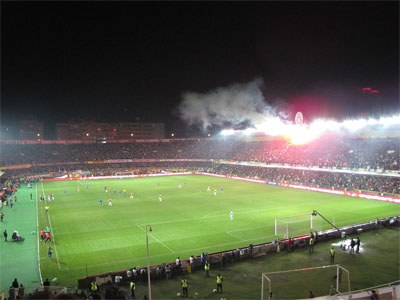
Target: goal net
<point>299,283</point>
<point>297,225</point>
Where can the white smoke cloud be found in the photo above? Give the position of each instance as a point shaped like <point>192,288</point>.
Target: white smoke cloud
<point>241,108</point>
<point>233,105</point>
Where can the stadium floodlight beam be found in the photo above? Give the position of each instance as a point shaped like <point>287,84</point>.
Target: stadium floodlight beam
<point>148,229</point>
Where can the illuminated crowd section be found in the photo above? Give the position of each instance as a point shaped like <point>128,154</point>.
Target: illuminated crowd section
<point>339,162</point>
<point>301,133</point>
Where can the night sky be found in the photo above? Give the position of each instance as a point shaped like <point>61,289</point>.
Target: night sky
<point>132,61</point>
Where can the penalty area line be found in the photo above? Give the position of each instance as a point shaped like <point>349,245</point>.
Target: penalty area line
<point>235,236</point>
<point>157,240</point>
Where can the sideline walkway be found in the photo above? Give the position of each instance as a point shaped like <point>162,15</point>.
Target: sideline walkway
<point>20,260</point>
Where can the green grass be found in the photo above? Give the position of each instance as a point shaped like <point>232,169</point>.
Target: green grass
<point>242,280</point>
<point>92,239</point>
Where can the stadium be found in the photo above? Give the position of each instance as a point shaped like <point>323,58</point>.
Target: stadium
<point>203,150</point>
<point>171,199</point>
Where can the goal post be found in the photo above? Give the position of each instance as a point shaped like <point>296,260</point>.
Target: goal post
<point>297,284</point>
<point>297,225</point>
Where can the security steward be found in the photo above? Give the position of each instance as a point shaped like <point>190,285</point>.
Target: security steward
<point>219,283</point>
<point>332,253</point>
<point>207,268</point>
<point>132,287</point>
<point>93,287</point>
<point>184,284</point>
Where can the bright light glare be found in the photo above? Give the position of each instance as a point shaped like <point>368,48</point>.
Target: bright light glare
<point>302,134</point>
<point>227,132</point>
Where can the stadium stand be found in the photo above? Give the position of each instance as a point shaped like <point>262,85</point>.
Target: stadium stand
<point>369,164</point>
<point>378,158</point>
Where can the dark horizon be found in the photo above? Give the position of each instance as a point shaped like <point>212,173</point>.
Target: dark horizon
<point>132,61</point>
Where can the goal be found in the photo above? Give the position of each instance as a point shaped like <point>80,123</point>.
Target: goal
<point>299,283</point>
<point>297,225</point>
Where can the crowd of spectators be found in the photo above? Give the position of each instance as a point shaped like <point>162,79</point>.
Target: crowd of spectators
<point>331,180</point>
<point>8,186</point>
<point>373,154</point>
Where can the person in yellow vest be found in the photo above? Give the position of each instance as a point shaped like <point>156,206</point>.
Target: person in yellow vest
<point>332,254</point>
<point>311,245</point>
<point>207,268</point>
<point>46,208</point>
<point>93,287</point>
<point>184,284</point>
<point>132,287</point>
<point>219,283</point>
<point>189,266</point>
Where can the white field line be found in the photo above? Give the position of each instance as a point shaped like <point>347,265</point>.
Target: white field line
<point>163,244</point>
<point>51,227</point>
<point>235,236</point>
<point>37,235</point>
<point>193,250</point>
<point>212,215</point>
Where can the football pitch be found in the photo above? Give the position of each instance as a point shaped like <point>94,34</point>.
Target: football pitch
<point>90,238</point>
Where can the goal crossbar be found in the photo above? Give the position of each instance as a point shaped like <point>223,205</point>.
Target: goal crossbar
<point>339,269</point>
<point>305,222</point>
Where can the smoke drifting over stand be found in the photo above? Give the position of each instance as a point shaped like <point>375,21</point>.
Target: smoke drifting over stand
<point>234,106</point>
<point>241,108</point>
